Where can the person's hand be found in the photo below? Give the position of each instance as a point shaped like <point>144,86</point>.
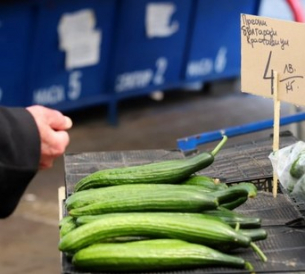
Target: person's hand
<point>52,126</point>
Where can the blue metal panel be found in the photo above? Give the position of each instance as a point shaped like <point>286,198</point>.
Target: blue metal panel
<point>191,142</point>
<point>16,28</point>
<point>51,83</point>
<point>145,63</point>
<point>214,50</point>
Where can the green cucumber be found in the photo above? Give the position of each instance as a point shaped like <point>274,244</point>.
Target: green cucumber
<point>235,203</point>
<point>206,182</point>
<point>66,224</point>
<point>170,171</point>
<point>171,200</point>
<point>256,234</point>
<point>297,168</point>
<point>90,196</point>
<point>152,255</point>
<point>85,219</point>
<point>230,194</point>
<point>236,194</point>
<point>233,218</point>
<point>250,187</point>
<point>204,230</point>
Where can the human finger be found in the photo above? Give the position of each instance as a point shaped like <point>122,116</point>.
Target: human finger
<point>58,121</point>
<point>46,163</point>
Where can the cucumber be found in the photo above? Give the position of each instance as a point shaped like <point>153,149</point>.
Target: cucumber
<point>250,187</point>
<point>233,218</point>
<point>256,234</point>
<point>236,195</point>
<point>85,219</point>
<point>230,194</point>
<point>152,255</point>
<point>297,169</point>
<point>90,196</point>
<point>169,200</point>
<point>65,220</point>
<point>206,182</point>
<point>229,217</point>
<point>210,231</point>
<point>66,224</point>
<point>170,171</point>
<point>235,203</point>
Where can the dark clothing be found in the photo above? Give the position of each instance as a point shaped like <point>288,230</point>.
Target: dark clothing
<point>19,156</point>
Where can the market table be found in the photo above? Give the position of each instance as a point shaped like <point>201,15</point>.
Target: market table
<point>282,217</point>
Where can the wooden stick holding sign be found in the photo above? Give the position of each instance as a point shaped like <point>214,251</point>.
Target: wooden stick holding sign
<point>276,126</point>
<point>273,65</point>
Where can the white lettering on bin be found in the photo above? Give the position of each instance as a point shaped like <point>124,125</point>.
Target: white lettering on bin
<point>133,80</point>
<point>200,67</point>
<point>221,60</point>
<point>161,65</point>
<point>142,78</point>
<point>49,96</point>
<point>75,85</point>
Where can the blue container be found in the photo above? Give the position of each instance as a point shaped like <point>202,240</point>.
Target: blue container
<point>149,48</point>
<point>60,78</point>
<point>16,28</point>
<point>214,49</point>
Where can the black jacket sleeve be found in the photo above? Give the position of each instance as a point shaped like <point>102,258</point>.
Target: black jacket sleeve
<point>19,156</point>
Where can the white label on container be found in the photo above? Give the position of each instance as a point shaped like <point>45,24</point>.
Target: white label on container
<point>79,39</point>
<point>158,20</point>
<point>84,52</point>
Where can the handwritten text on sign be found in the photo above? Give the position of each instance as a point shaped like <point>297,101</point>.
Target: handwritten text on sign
<point>270,45</point>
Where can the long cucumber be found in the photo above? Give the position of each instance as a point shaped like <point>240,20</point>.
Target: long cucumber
<point>236,194</point>
<point>239,190</point>
<point>207,182</point>
<point>250,226</point>
<point>171,200</point>
<point>152,255</point>
<point>90,196</point>
<point>66,224</point>
<point>233,218</point>
<point>204,230</point>
<point>256,234</point>
<point>235,203</point>
<point>170,171</point>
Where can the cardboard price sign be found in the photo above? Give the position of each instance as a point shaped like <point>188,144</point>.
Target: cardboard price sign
<point>272,65</point>
<point>269,46</point>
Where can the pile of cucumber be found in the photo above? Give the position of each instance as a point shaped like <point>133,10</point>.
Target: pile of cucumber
<point>159,216</point>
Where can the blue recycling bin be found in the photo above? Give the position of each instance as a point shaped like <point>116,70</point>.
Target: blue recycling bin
<point>17,23</point>
<point>70,56</point>
<point>214,46</point>
<point>149,48</point>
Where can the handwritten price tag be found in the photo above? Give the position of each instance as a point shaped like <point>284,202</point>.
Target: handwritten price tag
<point>268,46</point>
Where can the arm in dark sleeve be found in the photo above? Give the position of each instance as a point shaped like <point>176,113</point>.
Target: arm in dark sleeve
<point>19,156</point>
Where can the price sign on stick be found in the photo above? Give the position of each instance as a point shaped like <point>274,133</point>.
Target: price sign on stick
<point>273,64</point>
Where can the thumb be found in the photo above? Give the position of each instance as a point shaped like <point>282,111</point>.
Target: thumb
<point>58,121</point>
